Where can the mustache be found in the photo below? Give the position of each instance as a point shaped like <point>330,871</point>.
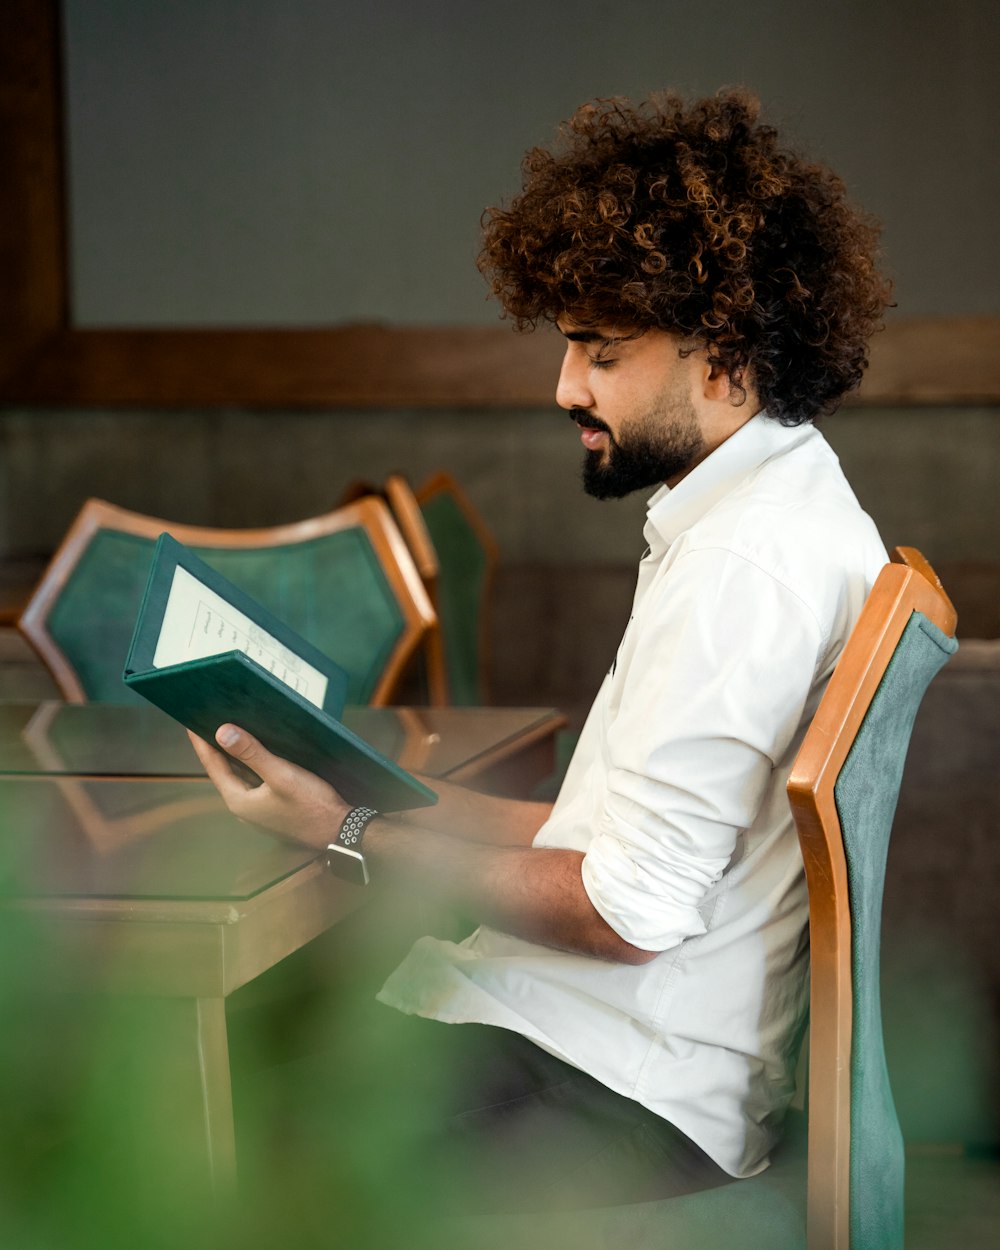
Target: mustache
<point>588,422</point>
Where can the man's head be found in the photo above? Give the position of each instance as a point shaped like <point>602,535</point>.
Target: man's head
<point>648,410</point>
<point>692,222</point>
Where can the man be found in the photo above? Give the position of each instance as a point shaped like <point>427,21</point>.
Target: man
<point>640,968</point>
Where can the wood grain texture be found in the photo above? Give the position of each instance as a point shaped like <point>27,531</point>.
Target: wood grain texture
<point>34,303</point>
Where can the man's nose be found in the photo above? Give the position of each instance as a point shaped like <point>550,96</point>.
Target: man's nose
<point>573,389</point>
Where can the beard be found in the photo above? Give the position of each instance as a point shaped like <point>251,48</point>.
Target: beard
<point>650,450</point>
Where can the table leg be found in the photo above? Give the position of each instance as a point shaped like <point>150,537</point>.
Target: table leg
<point>173,1058</point>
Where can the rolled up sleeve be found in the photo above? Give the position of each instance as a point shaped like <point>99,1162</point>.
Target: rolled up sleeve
<point>707,696</point>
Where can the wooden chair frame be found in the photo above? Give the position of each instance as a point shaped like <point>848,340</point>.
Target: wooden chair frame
<point>370,514</point>
<point>406,509</point>
<point>443,483</point>
<point>902,588</point>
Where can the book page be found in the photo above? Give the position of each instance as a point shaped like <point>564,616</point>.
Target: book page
<point>198,623</point>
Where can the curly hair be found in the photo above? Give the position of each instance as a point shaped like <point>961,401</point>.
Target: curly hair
<point>691,219</point>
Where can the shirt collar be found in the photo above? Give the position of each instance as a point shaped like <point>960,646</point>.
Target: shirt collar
<point>674,509</point>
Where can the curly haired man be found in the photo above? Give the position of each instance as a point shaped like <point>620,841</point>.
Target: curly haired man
<point>627,1016</point>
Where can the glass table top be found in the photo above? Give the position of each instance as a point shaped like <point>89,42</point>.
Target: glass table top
<point>70,838</point>
<point>135,740</point>
<point>106,801</point>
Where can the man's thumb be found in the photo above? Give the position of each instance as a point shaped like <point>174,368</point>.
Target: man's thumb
<point>235,742</point>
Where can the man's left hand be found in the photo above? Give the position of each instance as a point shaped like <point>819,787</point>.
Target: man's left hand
<point>290,801</point>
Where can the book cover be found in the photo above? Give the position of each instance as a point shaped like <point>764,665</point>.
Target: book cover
<point>206,653</point>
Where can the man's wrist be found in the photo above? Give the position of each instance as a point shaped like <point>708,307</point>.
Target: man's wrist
<point>344,855</point>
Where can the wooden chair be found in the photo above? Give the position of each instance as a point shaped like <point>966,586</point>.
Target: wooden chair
<point>456,556</point>
<point>837,1182</point>
<point>428,682</point>
<point>914,559</point>
<point>345,581</point>
<point>406,510</point>
<point>843,791</point>
<point>467,557</point>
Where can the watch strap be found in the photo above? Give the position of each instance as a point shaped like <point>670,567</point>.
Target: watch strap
<point>353,829</point>
<point>344,857</point>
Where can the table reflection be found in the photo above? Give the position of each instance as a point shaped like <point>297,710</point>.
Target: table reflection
<point>135,740</point>
<point>110,801</point>
<point>69,838</point>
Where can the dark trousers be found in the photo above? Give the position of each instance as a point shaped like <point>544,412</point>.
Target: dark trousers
<point>406,1118</point>
<point>535,1133</point>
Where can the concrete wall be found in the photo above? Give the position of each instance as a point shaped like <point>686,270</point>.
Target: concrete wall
<point>927,475</point>
<point>300,161</point>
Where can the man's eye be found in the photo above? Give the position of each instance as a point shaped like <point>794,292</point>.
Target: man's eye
<point>600,362</point>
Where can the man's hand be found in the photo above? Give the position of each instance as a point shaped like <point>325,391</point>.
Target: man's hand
<point>290,801</point>
<point>535,893</point>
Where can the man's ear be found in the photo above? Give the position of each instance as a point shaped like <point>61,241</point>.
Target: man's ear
<point>716,383</point>
<point>737,391</point>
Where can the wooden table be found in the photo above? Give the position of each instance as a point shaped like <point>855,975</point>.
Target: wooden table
<point>122,857</point>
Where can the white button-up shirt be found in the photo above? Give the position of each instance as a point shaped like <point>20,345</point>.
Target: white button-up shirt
<point>759,562</point>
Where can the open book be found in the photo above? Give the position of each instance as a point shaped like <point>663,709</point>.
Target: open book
<point>206,653</point>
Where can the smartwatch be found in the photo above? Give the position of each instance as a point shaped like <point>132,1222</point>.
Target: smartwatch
<point>343,855</point>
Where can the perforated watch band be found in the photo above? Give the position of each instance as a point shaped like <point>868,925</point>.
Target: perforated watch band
<point>344,855</point>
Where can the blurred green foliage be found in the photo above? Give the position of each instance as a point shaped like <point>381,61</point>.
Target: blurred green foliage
<point>96,1140</point>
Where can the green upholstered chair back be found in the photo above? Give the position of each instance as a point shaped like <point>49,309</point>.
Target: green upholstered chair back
<point>334,580</point>
<point>843,789</point>
<point>866,792</point>
<point>466,557</point>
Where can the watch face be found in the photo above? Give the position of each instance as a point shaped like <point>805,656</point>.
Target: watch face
<point>348,864</point>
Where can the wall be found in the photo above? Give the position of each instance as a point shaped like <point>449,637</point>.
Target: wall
<point>296,162</point>
<point>927,475</point>
<point>300,162</point>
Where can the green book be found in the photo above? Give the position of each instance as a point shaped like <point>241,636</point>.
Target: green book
<point>206,653</point>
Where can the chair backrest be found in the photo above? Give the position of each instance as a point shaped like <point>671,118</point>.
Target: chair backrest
<point>344,581</point>
<point>843,791</point>
<point>914,559</point>
<point>467,557</point>
<point>405,507</point>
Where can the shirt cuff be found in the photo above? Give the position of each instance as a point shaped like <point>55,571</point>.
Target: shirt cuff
<point>653,907</point>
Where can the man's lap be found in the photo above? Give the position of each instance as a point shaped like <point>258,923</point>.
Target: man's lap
<point>462,1118</point>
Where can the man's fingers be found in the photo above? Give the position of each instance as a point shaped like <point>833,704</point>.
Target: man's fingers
<point>279,775</point>
<point>245,748</point>
<point>289,801</point>
<point>237,742</point>
<point>204,751</point>
<point>217,767</point>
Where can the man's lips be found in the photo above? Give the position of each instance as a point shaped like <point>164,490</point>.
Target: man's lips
<point>593,431</point>
<point>592,439</point>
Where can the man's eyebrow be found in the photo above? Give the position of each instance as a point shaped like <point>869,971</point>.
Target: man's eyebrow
<point>585,336</point>
<point>608,339</point>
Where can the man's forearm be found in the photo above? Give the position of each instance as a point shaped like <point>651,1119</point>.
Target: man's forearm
<point>473,817</point>
<point>534,893</point>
